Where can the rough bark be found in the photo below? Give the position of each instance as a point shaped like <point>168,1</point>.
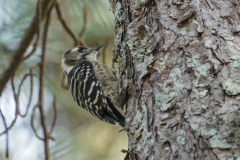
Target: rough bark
<point>180,66</point>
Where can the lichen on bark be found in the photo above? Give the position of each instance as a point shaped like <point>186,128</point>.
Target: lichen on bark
<point>179,61</point>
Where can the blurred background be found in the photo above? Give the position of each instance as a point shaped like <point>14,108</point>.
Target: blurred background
<point>78,135</point>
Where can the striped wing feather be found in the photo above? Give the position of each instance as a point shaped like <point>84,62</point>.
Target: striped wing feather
<point>87,92</point>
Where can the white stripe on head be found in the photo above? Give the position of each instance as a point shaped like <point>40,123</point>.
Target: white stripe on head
<point>74,49</point>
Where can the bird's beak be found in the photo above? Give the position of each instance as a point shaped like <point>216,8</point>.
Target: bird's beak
<point>96,49</point>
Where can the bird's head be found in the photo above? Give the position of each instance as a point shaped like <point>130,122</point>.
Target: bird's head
<point>76,55</point>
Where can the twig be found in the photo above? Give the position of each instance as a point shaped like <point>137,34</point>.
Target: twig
<point>41,87</point>
<point>15,95</point>
<point>16,99</point>
<point>24,44</point>
<point>34,48</point>
<point>54,115</point>
<point>7,144</point>
<point>65,26</point>
<point>16,110</point>
<point>39,19</point>
<point>31,91</point>
<point>32,122</point>
<point>20,85</point>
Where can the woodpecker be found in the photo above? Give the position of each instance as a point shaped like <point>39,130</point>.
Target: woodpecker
<point>94,86</point>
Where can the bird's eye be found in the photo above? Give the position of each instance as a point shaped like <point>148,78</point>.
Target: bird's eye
<point>80,49</point>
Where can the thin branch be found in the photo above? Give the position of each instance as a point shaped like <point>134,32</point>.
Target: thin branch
<point>54,115</point>
<point>39,18</point>
<point>31,91</point>
<point>85,21</point>
<point>13,86</point>
<point>65,26</point>
<point>32,122</point>
<point>20,85</point>
<point>16,94</point>
<point>34,48</point>
<point>7,144</point>
<point>30,32</point>
<point>41,87</point>
<point>16,99</point>
<point>16,109</point>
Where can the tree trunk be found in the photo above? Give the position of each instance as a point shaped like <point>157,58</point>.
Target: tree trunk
<point>180,66</point>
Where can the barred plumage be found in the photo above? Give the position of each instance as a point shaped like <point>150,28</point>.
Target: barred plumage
<point>94,86</point>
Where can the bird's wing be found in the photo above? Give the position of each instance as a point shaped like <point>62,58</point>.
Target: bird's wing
<point>87,92</point>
